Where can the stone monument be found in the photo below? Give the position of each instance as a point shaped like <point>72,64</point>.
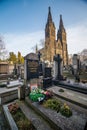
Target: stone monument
<point>58,67</point>
<point>31,66</point>
<point>76,64</point>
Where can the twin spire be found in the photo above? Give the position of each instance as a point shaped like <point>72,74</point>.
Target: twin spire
<point>49,20</point>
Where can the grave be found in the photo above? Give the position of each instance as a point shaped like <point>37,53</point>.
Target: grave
<point>76,64</point>
<point>47,77</point>
<point>40,65</point>
<point>31,66</point>
<point>58,67</point>
<point>31,71</point>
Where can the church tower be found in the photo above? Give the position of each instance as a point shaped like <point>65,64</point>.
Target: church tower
<point>61,35</point>
<point>49,37</point>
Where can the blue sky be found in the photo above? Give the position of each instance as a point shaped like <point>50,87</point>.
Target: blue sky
<point>22,23</point>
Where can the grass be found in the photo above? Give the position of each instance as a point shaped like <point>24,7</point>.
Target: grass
<point>21,120</point>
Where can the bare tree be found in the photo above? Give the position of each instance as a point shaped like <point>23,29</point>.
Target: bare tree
<point>3,51</point>
<point>42,43</point>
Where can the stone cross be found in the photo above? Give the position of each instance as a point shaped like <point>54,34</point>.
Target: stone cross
<point>39,56</point>
<point>58,67</point>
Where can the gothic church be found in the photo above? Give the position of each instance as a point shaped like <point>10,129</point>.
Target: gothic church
<point>54,46</point>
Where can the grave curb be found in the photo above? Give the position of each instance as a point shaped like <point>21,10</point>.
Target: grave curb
<point>73,87</point>
<point>72,101</point>
<point>44,116</point>
<point>9,118</point>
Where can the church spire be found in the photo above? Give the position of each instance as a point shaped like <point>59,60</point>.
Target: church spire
<point>49,20</point>
<point>61,26</point>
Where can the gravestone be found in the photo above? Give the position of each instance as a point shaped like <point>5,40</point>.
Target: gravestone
<point>76,64</point>
<point>58,67</point>
<point>40,69</point>
<point>40,64</point>
<point>47,72</point>
<point>31,66</point>
<point>47,80</point>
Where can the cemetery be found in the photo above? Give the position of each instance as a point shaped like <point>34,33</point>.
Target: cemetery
<point>49,96</point>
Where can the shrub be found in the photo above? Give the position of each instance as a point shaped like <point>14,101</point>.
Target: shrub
<point>65,110</point>
<point>53,104</point>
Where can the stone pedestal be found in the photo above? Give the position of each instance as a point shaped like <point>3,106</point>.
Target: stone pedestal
<point>55,69</point>
<point>21,92</point>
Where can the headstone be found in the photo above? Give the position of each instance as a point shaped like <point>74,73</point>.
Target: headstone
<point>47,72</point>
<point>15,70</point>
<point>76,64</point>
<point>31,66</point>
<point>40,69</point>
<point>58,67</point>
<point>21,92</point>
<point>47,80</point>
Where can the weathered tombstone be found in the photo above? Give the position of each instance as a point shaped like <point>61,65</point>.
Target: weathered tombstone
<point>76,64</point>
<point>31,66</point>
<point>21,92</point>
<point>40,64</point>
<point>58,67</point>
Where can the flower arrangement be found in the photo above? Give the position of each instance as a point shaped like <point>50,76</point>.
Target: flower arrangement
<point>55,104</point>
<point>22,122</point>
<point>13,108</point>
<point>65,110</point>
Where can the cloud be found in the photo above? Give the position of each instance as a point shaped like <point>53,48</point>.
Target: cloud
<point>77,38</point>
<point>22,42</point>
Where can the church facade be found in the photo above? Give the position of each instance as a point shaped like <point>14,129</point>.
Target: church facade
<point>55,45</point>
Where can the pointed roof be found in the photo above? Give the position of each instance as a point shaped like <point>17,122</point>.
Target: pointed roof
<point>36,48</point>
<point>61,26</point>
<point>49,20</point>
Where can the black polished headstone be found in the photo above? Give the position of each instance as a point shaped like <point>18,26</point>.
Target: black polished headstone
<point>47,72</point>
<point>32,69</point>
<point>47,80</point>
<point>31,66</point>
